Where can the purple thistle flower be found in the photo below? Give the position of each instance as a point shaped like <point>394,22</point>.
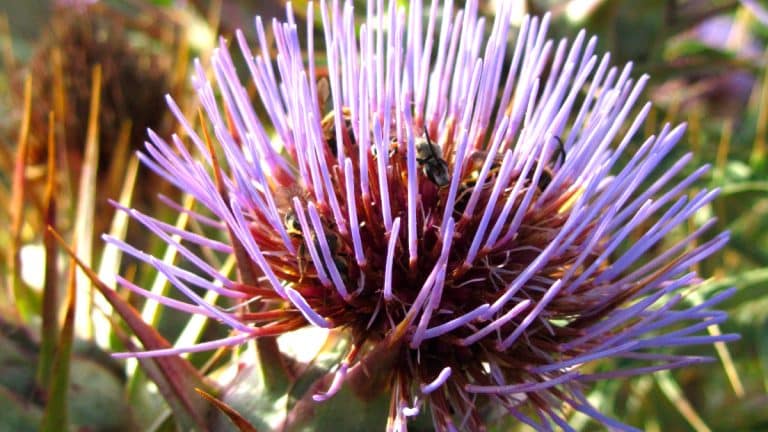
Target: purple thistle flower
<point>468,212</point>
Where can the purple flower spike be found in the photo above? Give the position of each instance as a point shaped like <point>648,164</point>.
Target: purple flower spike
<point>481,214</point>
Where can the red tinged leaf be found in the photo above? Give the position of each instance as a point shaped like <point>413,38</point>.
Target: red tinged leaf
<point>179,376</point>
<point>238,420</point>
<point>50,306</point>
<point>17,294</point>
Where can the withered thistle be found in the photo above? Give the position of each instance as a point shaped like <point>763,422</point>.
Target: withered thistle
<point>469,208</point>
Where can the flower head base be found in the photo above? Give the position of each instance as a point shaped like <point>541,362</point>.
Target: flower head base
<point>450,205</point>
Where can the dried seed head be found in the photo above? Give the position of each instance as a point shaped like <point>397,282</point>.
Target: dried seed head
<point>132,82</point>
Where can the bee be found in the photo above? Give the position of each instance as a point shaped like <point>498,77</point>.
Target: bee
<point>293,228</point>
<point>292,224</point>
<point>476,161</point>
<point>430,158</point>
<point>328,123</point>
<point>469,181</point>
<point>340,258</point>
<point>558,158</point>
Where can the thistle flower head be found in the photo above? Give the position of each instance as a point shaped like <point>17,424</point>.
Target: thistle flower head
<point>468,204</point>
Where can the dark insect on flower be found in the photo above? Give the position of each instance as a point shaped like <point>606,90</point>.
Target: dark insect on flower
<point>329,123</point>
<point>494,293</point>
<point>474,169</point>
<point>293,229</point>
<point>430,158</point>
<point>558,158</point>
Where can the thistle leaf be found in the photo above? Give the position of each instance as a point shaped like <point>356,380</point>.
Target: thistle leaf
<point>242,424</point>
<point>179,377</point>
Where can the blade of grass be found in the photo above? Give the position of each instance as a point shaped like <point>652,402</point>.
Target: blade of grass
<point>50,309</point>
<point>55,416</point>
<point>9,59</point>
<point>695,133</point>
<point>120,156</point>
<point>723,147</point>
<point>17,294</point>
<point>757,157</point>
<point>5,197</point>
<point>651,122</point>
<point>213,17</point>
<point>6,158</point>
<point>743,187</point>
<point>728,364</point>
<point>59,98</point>
<point>86,206</point>
<point>111,256</point>
<point>754,279</point>
<point>597,398</point>
<point>178,76</point>
<point>674,393</point>
<point>59,95</point>
<point>696,297</point>
<point>638,397</point>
